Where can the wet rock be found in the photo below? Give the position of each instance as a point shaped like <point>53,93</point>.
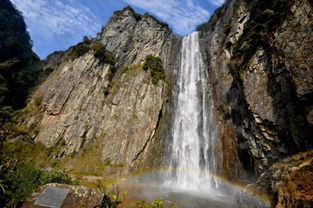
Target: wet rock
<point>286,184</point>
<point>247,200</point>
<point>264,99</point>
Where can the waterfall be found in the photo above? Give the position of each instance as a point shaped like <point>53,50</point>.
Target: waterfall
<point>192,153</point>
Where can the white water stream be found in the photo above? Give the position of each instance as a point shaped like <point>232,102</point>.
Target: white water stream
<point>190,181</point>
<point>193,156</point>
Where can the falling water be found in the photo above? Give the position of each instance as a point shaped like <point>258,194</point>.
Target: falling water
<point>192,157</point>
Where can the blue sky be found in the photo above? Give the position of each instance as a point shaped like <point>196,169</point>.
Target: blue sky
<point>58,24</point>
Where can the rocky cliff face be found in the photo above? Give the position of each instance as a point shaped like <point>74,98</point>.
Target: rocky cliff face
<point>260,60</point>
<point>118,108</point>
<point>261,69</point>
<point>260,65</point>
<point>285,184</point>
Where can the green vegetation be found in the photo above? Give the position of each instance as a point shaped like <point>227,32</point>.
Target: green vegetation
<point>266,16</point>
<point>155,66</point>
<point>87,160</point>
<point>38,100</point>
<point>103,55</point>
<point>5,114</point>
<point>163,24</point>
<point>14,39</point>
<point>79,50</point>
<point>135,15</point>
<point>100,52</point>
<point>156,204</point>
<point>19,66</point>
<point>113,200</point>
<point>22,161</point>
<point>110,201</point>
<point>19,180</point>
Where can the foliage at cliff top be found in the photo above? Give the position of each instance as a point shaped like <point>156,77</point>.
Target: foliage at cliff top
<point>14,39</point>
<point>99,52</point>
<point>19,66</point>
<point>155,66</point>
<point>135,15</point>
<point>138,17</point>
<point>163,24</point>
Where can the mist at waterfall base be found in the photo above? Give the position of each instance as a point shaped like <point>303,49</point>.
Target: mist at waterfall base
<point>150,186</point>
<point>189,182</point>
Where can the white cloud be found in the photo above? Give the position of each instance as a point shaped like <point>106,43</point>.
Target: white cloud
<point>54,18</point>
<point>181,15</point>
<point>217,2</point>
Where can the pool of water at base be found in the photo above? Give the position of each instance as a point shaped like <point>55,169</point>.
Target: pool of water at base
<point>171,197</point>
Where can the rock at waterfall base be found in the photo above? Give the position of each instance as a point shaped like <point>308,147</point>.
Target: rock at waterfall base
<point>75,197</point>
<point>287,184</point>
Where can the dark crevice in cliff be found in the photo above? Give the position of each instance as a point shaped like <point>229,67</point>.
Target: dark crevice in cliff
<point>242,117</point>
<point>260,140</point>
<point>264,19</point>
<point>292,127</point>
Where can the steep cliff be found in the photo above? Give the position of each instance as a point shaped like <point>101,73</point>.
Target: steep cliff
<point>260,60</point>
<point>116,106</point>
<point>100,102</point>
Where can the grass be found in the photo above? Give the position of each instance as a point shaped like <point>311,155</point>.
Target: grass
<point>82,166</point>
<point>22,164</point>
<point>86,163</point>
<point>38,100</point>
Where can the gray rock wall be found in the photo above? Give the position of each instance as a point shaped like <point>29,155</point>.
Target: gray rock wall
<point>84,105</point>
<point>263,97</point>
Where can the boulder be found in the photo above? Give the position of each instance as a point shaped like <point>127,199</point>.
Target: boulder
<point>64,196</point>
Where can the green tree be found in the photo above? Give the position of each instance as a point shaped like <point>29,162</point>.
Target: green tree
<point>155,66</point>
<point>19,66</point>
<point>103,55</point>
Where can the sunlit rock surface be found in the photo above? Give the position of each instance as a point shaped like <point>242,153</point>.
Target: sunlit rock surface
<point>263,104</point>
<point>82,104</point>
